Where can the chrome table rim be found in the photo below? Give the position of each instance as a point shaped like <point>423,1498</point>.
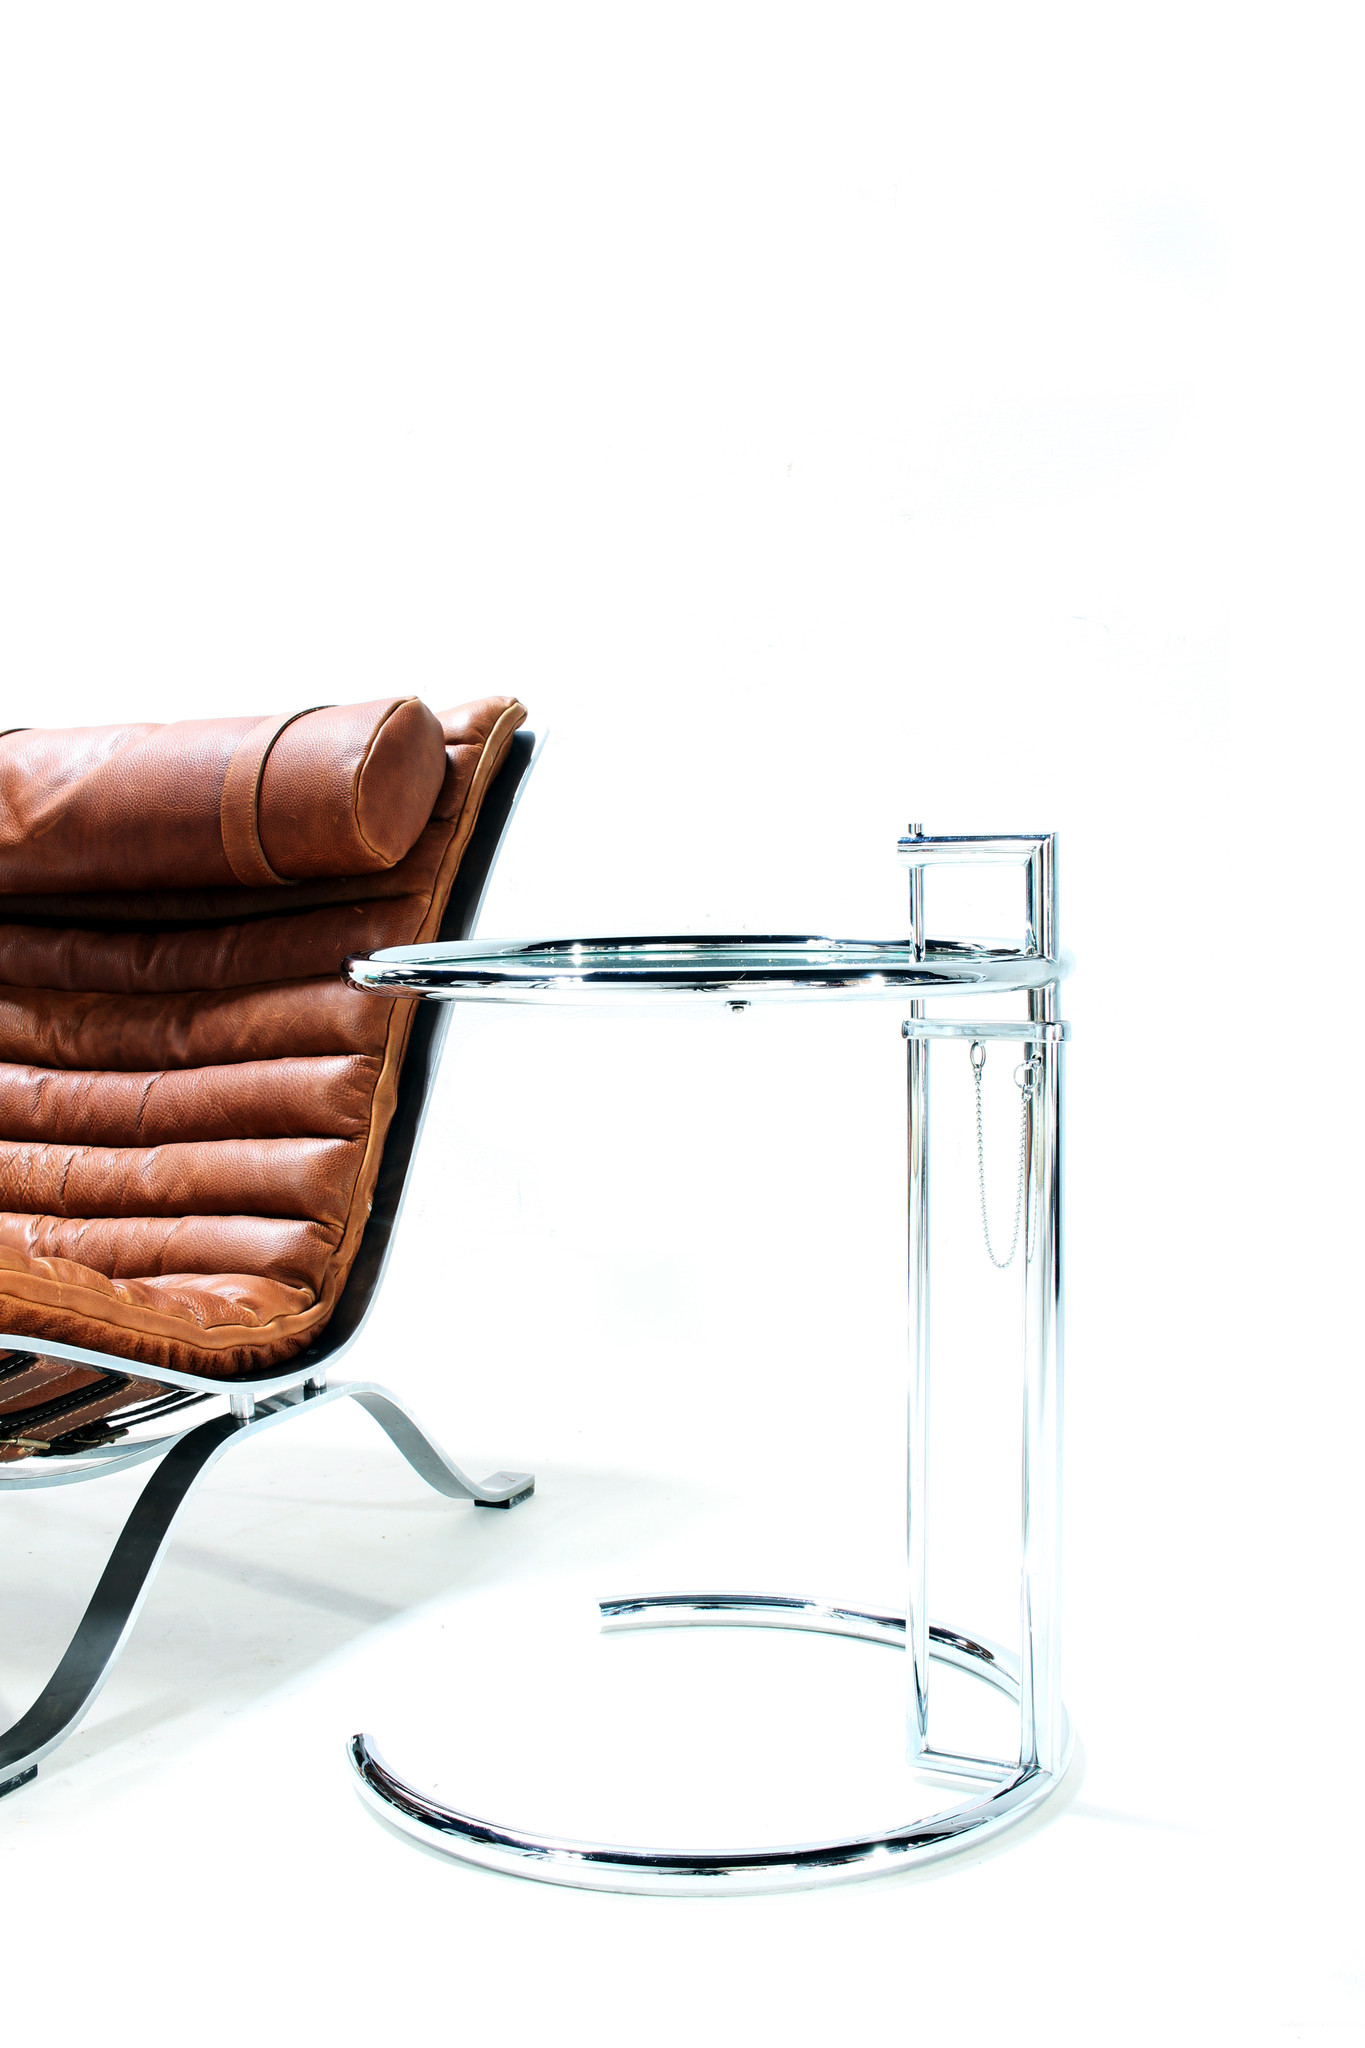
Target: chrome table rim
<point>1013,1789</point>
<point>742,968</point>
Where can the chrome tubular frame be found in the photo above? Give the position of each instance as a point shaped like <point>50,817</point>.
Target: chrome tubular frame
<point>794,1866</point>
<point>917,1449</point>
<point>776,968</point>
<point>1044,1740</point>
<point>736,970</point>
<point>185,1455</point>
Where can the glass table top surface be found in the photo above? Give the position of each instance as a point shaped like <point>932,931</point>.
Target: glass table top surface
<point>733,968</point>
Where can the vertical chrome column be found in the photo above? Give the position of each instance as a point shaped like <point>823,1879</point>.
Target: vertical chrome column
<point>917,1461</point>
<point>1040,901</point>
<point>1040,1699</point>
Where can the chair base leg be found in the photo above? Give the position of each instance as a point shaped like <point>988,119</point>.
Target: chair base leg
<point>117,1599</point>
<point>496,1480</point>
<point>1014,1790</point>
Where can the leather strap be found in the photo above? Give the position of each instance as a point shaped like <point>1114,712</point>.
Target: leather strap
<point>239,804</point>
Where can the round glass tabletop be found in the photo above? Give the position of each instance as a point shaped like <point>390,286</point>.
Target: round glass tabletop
<point>735,969</point>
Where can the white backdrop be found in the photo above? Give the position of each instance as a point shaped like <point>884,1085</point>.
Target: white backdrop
<point>820,417</point>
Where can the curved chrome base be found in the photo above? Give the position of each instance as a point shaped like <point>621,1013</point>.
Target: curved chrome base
<point>1015,1790</point>
<point>185,1458</point>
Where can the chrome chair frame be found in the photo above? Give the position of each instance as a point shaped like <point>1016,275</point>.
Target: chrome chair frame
<point>739,971</point>
<point>184,1457</point>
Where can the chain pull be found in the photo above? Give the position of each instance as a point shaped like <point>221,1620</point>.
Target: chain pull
<point>1028,1079</point>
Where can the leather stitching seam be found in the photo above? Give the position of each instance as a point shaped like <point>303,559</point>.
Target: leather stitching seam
<point>239,805</point>
<point>360,772</point>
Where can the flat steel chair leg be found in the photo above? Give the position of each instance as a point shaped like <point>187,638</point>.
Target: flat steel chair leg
<point>114,1605</point>
<point>429,1461</point>
<point>117,1599</point>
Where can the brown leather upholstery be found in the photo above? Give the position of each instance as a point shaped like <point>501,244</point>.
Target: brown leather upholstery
<point>341,790</point>
<point>192,1104</point>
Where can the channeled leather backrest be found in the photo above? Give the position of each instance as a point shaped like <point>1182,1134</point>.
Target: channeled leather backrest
<point>192,1104</point>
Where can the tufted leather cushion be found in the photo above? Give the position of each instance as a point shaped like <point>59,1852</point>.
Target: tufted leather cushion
<point>192,1104</point>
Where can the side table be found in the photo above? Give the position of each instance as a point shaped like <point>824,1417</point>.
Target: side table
<point>907,972</point>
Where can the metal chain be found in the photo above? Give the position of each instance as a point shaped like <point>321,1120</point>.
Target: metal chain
<point>1027,1077</point>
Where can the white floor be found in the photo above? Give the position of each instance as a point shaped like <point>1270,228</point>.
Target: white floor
<point>198,1841</point>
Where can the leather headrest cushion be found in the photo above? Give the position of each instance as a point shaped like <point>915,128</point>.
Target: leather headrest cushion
<point>343,790</point>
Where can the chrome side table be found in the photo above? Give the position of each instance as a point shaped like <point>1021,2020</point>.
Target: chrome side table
<point>739,971</point>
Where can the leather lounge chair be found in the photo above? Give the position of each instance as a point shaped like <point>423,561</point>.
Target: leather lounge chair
<point>204,1134</point>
